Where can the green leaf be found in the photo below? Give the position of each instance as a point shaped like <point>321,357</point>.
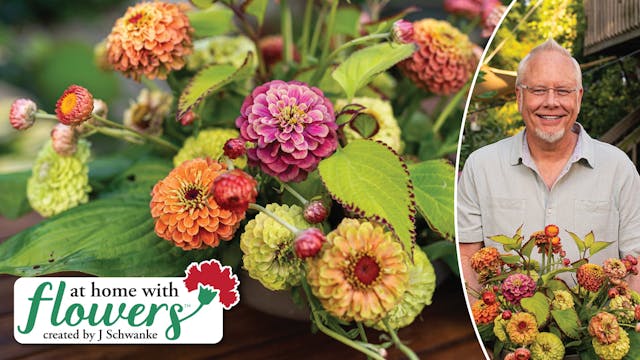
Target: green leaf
<point>503,239</point>
<point>598,246</point>
<point>634,347</point>
<point>445,251</point>
<point>433,185</point>
<point>510,259</point>
<point>528,247</point>
<point>256,8</point>
<point>208,81</point>
<point>367,177</point>
<point>487,94</point>
<point>365,125</point>
<point>347,21</point>
<point>361,66</point>
<point>106,237</point>
<point>538,305</point>
<point>202,4</point>
<point>137,181</point>
<point>579,243</point>
<point>486,332</point>
<point>13,194</point>
<point>589,239</point>
<point>568,322</point>
<point>213,21</point>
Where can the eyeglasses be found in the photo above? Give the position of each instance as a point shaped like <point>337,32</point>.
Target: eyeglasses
<point>542,91</point>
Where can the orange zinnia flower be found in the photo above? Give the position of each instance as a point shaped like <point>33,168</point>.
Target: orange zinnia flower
<point>151,39</point>
<point>483,313</point>
<point>184,210</point>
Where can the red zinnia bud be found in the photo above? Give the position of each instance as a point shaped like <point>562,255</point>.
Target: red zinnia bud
<point>234,148</point>
<point>309,242</point>
<point>631,259</point>
<point>234,190</point>
<point>315,212</point>
<point>613,292</point>
<point>566,262</point>
<point>74,106</point>
<point>188,118</point>
<point>489,298</point>
<point>495,288</point>
<point>506,315</point>
<point>22,114</point>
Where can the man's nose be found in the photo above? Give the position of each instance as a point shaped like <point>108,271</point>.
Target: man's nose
<point>551,98</point>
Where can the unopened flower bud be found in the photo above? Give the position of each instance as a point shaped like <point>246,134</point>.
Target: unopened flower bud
<point>234,148</point>
<point>403,31</point>
<point>632,259</point>
<point>613,292</point>
<point>315,212</point>
<point>100,108</point>
<point>234,190</point>
<point>64,140</point>
<point>510,356</point>
<point>523,354</point>
<point>566,262</point>
<point>188,118</point>
<point>637,312</point>
<point>488,297</point>
<point>22,114</point>
<point>309,242</point>
<point>506,315</point>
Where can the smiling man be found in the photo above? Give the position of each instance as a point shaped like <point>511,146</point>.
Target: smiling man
<point>552,172</point>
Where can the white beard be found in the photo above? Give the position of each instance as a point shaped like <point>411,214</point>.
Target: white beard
<point>550,137</point>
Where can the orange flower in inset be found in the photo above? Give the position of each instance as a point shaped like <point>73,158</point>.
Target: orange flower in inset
<point>487,262</point>
<point>184,210</point>
<point>483,313</point>
<point>151,39</point>
<point>361,273</point>
<point>74,106</point>
<point>522,328</point>
<point>444,60</point>
<point>591,276</point>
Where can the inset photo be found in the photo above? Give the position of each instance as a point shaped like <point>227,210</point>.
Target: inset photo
<point>548,191</point>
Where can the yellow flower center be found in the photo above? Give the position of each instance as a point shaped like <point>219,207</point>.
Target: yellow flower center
<point>68,103</point>
<point>291,115</point>
<point>192,196</point>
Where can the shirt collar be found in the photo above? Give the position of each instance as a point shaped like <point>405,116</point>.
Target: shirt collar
<point>583,150</point>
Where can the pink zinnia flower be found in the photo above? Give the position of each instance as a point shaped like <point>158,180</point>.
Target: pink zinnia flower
<point>518,286</point>
<point>292,126</point>
<point>22,114</point>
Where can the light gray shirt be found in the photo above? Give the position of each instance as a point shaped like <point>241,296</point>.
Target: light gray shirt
<point>500,189</point>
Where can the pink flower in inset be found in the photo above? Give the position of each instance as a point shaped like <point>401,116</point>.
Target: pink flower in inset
<point>466,8</point>
<point>292,126</point>
<point>403,31</point>
<point>212,273</point>
<point>518,286</point>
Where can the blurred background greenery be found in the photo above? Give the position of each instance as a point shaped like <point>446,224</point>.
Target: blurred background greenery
<point>610,76</point>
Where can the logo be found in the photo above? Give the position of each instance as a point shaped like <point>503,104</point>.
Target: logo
<point>161,310</point>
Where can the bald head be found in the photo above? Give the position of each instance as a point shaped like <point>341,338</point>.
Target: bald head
<point>548,46</point>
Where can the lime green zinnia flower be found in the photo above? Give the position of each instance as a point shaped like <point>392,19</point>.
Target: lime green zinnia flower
<point>547,346</point>
<point>622,308</point>
<point>381,111</point>
<point>500,328</point>
<point>613,351</point>
<point>221,49</point>
<point>208,143</point>
<point>562,300</point>
<point>268,248</point>
<point>58,183</point>
<point>422,283</point>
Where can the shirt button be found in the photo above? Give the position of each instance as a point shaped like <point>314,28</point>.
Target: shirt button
<point>549,211</point>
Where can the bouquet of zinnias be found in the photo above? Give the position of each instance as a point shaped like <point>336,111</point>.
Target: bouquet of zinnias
<point>526,311</point>
<point>305,158</point>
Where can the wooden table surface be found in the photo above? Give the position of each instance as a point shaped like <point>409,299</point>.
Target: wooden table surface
<point>442,332</point>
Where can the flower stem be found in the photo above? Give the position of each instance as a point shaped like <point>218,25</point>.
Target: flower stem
<point>330,24</point>
<point>275,217</point>
<point>295,194</point>
<point>155,139</point>
<point>306,29</point>
<point>404,348</point>
<point>317,30</point>
<point>287,32</point>
<point>45,116</point>
<point>450,106</point>
<point>332,333</point>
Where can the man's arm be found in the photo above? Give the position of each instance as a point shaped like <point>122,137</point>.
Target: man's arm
<point>469,276</point>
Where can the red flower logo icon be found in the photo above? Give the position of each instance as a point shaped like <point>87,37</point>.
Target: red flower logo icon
<point>211,274</point>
